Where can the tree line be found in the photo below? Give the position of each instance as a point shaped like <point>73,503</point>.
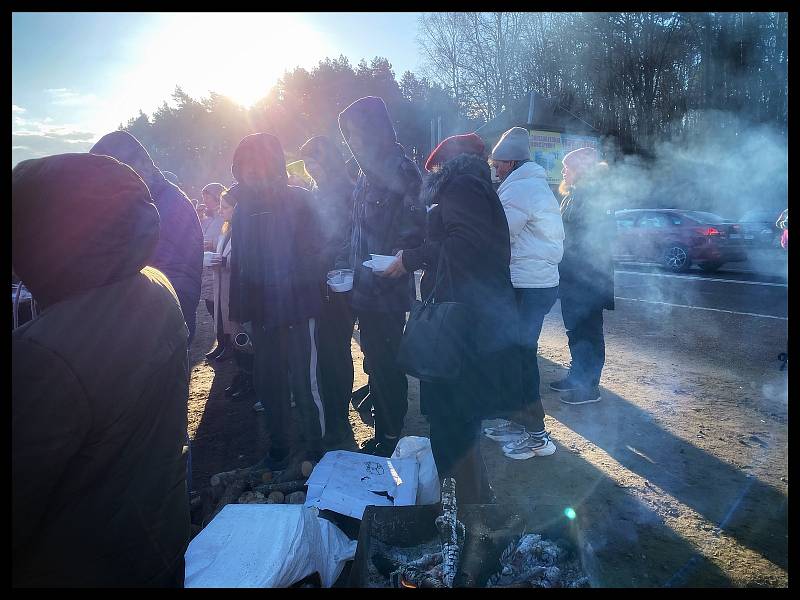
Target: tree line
<point>639,78</point>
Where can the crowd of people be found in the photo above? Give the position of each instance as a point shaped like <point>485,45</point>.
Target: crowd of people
<point>115,253</point>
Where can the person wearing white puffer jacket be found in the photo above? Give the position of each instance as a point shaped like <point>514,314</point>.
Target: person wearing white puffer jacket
<point>537,245</point>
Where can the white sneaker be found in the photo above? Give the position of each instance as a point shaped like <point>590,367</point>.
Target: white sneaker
<point>504,431</point>
<point>529,446</point>
<point>258,407</point>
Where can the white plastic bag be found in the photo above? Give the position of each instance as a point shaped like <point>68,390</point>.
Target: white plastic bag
<point>266,545</point>
<point>428,487</point>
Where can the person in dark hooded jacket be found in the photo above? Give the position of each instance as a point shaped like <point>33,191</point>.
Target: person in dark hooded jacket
<point>276,275</point>
<point>100,383</point>
<point>179,253</point>
<point>468,231</point>
<point>586,272</point>
<point>333,202</point>
<point>388,216</point>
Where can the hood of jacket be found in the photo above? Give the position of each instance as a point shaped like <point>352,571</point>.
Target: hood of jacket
<point>463,164</point>
<point>527,170</point>
<point>262,154</point>
<point>369,118</point>
<point>322,149</point>
<point>79,221</point>
<point>128,150</point>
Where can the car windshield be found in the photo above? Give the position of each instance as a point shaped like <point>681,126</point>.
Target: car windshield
<point>704,217</point>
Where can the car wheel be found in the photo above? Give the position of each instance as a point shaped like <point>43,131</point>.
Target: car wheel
<point>676,258</point>
<point>710,267</point>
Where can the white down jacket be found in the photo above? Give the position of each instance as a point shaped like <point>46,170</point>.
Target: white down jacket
<point>534,222</point>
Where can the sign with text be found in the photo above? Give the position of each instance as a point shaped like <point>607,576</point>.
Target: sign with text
<point>549,147</point>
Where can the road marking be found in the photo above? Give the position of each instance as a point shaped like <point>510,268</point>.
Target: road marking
<point>703,278</point>
<point>732,312</point>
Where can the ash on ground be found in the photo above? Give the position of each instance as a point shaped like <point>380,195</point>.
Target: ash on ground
<point>401,555</point>
<point>533,561</point>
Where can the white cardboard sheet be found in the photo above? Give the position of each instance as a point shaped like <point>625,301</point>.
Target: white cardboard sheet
<point>347,482</point>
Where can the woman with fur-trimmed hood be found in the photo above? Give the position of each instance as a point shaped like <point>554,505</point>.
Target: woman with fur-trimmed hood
<point>468,224</point>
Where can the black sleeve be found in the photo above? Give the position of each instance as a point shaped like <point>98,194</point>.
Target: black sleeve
<point>410,230</point>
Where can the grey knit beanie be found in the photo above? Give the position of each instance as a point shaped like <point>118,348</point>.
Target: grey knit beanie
<point>513,145</point>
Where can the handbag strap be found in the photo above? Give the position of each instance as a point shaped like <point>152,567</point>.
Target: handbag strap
<point>443,261</point>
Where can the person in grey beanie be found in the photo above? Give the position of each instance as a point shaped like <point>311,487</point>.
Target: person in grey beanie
<point>537,245</point>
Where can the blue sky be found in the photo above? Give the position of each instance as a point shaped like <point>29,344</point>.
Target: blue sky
<point>76,76</point>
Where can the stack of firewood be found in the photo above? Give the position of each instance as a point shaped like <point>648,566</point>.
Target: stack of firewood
<point>250,485</point>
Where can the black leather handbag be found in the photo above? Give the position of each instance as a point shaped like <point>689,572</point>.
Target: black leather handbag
<point>436,339</point>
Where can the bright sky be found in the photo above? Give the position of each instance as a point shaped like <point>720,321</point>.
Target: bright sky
<point>77,76</point>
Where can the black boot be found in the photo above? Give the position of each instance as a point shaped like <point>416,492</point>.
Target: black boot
<point>218,350</point>
<point>235,386</point>
<point>245,388</point>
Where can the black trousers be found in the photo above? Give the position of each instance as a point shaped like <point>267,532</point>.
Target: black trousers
<point>380,338</point>
<point>457,452</point>
<point>189,309</point>
<point>583,320</point>
<point>336,361</point>
<point>285,364</point>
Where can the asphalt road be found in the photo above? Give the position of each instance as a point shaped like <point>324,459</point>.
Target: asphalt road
<point>746,293</point>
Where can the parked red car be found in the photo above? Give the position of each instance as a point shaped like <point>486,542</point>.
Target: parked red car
<point>678,238</point>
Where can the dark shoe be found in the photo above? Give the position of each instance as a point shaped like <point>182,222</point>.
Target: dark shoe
<point>234,387</point>
<point>581,396</point>
<point>245,390</point>
<point>564,385</point>
<point>217,351</point>
<point>380,447</point>
<point>224,355</point>
<point>358,398</point>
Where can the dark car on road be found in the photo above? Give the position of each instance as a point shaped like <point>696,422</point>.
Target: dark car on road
<point>759,228</point>
<point>677,239</point>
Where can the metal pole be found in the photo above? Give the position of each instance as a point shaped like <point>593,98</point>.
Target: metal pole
<point>439,130</point>
<point>530,110</point>
<point>433,135</point>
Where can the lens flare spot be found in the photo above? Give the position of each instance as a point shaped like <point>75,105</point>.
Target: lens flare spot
<point>569,512</point>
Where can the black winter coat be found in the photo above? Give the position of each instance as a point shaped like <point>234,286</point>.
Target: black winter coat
<point>276,266</point>
<point>469,225</point>
<point>587,268</point>
<point>387,213</point>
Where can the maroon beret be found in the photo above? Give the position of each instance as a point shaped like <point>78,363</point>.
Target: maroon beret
<point>448,148</point>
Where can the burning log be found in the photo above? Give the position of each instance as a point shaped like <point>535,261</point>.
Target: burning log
<point>425,572</point>
<point>451,531</point>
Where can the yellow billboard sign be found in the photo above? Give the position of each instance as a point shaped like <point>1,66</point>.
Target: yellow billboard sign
<point>549,147</point>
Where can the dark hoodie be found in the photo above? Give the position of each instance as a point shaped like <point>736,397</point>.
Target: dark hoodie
<point>333,196</point>
<point>387,212</point>
<point>99,386</point>
<point>276,266</point>
<point>179,253</point>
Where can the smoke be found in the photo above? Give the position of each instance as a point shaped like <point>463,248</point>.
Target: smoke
<point>723,164</point>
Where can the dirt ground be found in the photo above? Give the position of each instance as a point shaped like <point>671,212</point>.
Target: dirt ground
<point>678,477</point>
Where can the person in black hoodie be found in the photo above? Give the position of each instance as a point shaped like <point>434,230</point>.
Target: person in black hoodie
<point>179,253</point>
<point>275,285</point>
<point>333,201</point>
<point>387,216</point>
<point>99,386</point>
<point>468,230</point>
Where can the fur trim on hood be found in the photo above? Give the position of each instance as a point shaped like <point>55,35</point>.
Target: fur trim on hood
<point>463,164</point>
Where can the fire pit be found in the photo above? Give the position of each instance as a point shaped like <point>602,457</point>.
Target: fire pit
<point>504,546</point>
